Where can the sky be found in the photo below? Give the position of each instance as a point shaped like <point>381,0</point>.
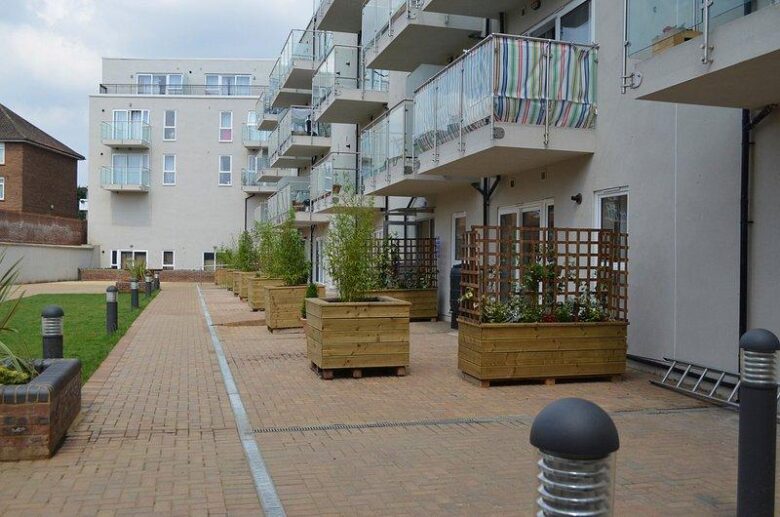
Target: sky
<point>50,50</point>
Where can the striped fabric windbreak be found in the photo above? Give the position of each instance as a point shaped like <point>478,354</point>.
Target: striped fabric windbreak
<point>448,96</point>
<point>477,91</point>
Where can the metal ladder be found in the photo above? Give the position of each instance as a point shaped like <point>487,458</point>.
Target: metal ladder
<point>694,377</point>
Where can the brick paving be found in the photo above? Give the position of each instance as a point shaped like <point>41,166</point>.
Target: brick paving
<point>157,434</point>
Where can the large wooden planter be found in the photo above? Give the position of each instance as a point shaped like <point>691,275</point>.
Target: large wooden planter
<point>283,306</point>
<point>549,351</point>
<point>244,280</point>
<point>257,287</point>
<point>425,302</point>
<point>235,279</point>
<point>359,335</point>
<point>36,416</point>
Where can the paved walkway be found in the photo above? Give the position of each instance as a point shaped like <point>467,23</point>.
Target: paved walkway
<point>158,434</point>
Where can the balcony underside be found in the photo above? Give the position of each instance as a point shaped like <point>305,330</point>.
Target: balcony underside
<point>351,106</point>
<point>290,162</point>
<point>521,148</point>
<point>330,204</point>
<point>306,146</point>
<point>255,144</point>
<point>744,73</point>
<point>340,16</point>
<point>306,219</point>
<point>268,122</point>
<point>413,185</point>
<point>287,97</point>
<point>259,189</point>
<point>142,189</point>
<point>429,38</point>
<point>126,144</point>
<point>480,9</point>
<point>300,75</point>
<point>271,175</point>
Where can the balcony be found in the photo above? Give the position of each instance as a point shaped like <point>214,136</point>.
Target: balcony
<point>399,35</point>
<point>270,175</point>
<point>252,182</point>
<point>186,90</point>
<point>129,135</point>
<point>339,15</point>
<point>386,159</point>
<point>298,139</point>
<point>293,193</point>
<point>254,138</point>
<point>344,91</point>
<point>290,80</point>
<point>267,115</point>
<point>509,104</point>
<point>125,179</point>
<point>331,178</point>
<point>725,54</point>
<point>483,9</point>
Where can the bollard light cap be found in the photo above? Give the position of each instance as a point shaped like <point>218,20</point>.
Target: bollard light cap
<point>111,289</point>
<point>575,428</point>
<point>759,340</point>
<point>52,311</point>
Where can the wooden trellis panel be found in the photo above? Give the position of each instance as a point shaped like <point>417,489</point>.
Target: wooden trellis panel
<point>410,258</point>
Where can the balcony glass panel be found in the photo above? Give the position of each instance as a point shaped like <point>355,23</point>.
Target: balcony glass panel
<point>335,169</point>
<point>302,45</point>
<point>225,90</point>
<point>292,193</point>
<point>297,121</point>
<point>125,176</point>
<point>386,143</point>
<point>508,79</point>
<point>344,68</point>
<point>656,25</point>
<point>251,134</point>
<point>377,15</point>
<point>132,131</point>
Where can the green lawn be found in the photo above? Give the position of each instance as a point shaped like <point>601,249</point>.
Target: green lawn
<point>85,326</point>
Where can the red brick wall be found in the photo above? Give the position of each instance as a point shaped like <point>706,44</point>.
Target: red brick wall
<point>41,229</point>
<point>49,180</point>
<point>12,172</point>
<point>177,275</point>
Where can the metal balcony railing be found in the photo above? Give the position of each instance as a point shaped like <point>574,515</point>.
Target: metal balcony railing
<point>344,68</point>
<point>510,80</point>
<point>387,144</point>
<point>296,121</point>
<point>301,45</point>
<point>185,90</point>
<point>378,16</point>
<point>130,132</point>
<point>292,193</point>
<point>253,136</point>
<point>125,176</point>
<point>251,178</point>
<point>331,175</point>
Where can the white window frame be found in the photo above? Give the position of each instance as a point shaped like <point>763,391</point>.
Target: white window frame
<point>166,126</point>
<point>169,90</point>
<point>230,171</point>
<point>2,153</point>
<point>172,265</point>
<point>164,170</point>
<point>455,216</point>
<point>222,128</point>
<point>611,192</point>
<point>543,206</point>
<point>2,188</point>
<point>219,88</point>
<point>203,260</point>
<point>556,16</point>
<point>116,260</point>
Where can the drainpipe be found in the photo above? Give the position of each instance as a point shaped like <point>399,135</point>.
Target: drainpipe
<point>246,210</point>
<point>312,265</point>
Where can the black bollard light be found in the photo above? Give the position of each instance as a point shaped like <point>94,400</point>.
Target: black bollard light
<point>51,331</point>
<point>148,287</point>
<point>134,293</point>
<point>577,441</point>
<point>757,424</point>
<point>112,309</point>
<point>157,281</point>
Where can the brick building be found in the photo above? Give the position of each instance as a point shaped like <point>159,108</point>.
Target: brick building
<point>37,171</point>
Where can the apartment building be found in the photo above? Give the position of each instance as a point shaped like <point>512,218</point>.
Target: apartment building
<point>175,159</point>
<point>539,113</point>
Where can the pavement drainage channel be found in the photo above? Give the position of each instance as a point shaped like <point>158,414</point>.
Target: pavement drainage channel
<point>523,420</point>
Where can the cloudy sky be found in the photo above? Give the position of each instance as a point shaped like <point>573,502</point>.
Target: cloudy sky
<point>51,49</point>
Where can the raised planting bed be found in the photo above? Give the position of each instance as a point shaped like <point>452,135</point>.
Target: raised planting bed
<point>36,416</point>
<point>357,335</point>
<point>257,287</point>
<point>243,284</point>
<point>543,351</point>
<point>219,276</point>
<point>425,302</point>
<point>235,279</point>
<point>283,306</point>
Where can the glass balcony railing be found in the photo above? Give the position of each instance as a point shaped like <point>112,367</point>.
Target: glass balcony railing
<point>344,68</point>
<point>292,193</point>
<point>656,25</point>
<point>509,80</point>
<point>126,132</point>
<point>301,45</point>
<point>296,121</point>
<point>330,176</point>
<point>251,178</point>
<point>263,105</point>
<point>386,145</point>
<point>254,137</point>
<point>377,18</point>
<point>232,90</point>
<point>125,176</point>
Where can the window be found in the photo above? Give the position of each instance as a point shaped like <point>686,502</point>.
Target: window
<point>160,84</point>
<point>226,126</point>
<point>169,169</point>
<point>228,84</point>
<point>209,262</point>
<point>121,259</point>
<point>130,169</point>
<point>573,23</point>
<point>131,125</point>
<point>2,153</point>
<point>251,164</point>
<point>167,260</point>
<point>2,188</point>
<point>458,235</point>
<point>169,125</point>
<point>225,170</point>
<point>612,211</point>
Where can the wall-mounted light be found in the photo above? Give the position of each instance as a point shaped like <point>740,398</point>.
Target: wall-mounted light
<point>577,199</point>
<point>536,4</point>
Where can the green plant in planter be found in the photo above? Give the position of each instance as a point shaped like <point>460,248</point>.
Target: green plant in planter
<point>350,261</point>
<point>267,237</point>
<point>311,292</point>
<point>288,257</point>
<point>246,258</point>
<point>13,368</point>
<point>226,256</point>
<point>136,268</point>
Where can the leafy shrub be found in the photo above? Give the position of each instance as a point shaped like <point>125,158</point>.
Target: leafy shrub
<point>9,376</point>
<point>136,268</point>
<point>288,254</point>
<point>311,292</point>
<point>246,254</point>
<point>15,370</point>
<point>267,237</point>
<point>348,248</point>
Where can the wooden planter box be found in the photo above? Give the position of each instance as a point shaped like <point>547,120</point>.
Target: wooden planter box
<point>283,306</point>
<point>549,351</point>
<point>257,287</point>
<point>244,279</point>
<point>358,335</point>
<point>36,416</point>
<point>425,302</point>
<point>235,278</point>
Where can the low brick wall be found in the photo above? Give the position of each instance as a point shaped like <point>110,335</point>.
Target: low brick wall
<point>41,229</point>
<point>124,286</point>
<point>35,417</point>
<point>120,275</point>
